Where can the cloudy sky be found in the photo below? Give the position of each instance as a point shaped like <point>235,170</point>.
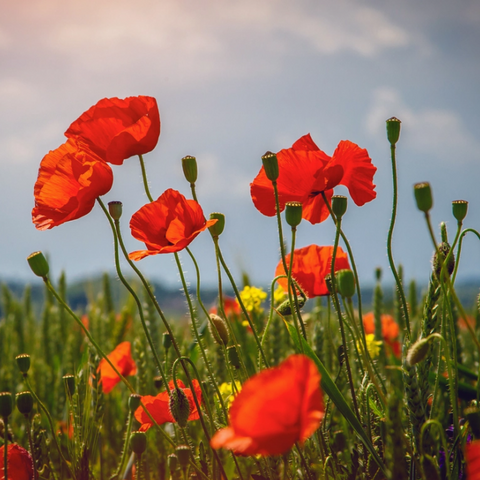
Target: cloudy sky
<point>232,80</point>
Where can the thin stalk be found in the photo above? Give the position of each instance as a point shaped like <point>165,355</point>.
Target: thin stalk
<point>462,236</point>
<point>125,445</point>
<point>144,177</point>
<point>5,448</point>
<point>32,450</point>
<point>279,223</point>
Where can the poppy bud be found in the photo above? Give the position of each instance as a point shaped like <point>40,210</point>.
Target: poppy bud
<point>23,362</point>
<point>459,209</point>
<point>183,455</point>
<point>270,165</point>
<point>38,263</point>
<point>69,381</point>
<point>293,213</point>
<point>233,356</point>
<point>24,401</point>
<point>438,259</point>
<point>393,130</point>
<point>115,209</point>
<point>473,417</point>
<point>138,442</point>
<point>285,308</point>
<point>423,196</point>
<point>167,340</point>
<point>172,463</point>
<point>6,404</point>
<point>345,283</point>
<point>189,165</point>
<point>134,402</point>
<point>418,351</point>
<point>158,382</point>
<point>218,329</point>
<point>217,229</point>
<point>179,406</point>
<point>339,205</point>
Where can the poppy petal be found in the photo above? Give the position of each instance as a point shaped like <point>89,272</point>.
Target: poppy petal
<point>121,357</point>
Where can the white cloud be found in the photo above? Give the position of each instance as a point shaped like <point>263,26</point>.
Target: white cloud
<point>432,131</point>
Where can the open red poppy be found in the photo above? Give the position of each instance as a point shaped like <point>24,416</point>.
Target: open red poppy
<point>305,172</point>
<point>275,408</point>
<point>117,129</point>
<point>310,267</point>
<point>390,330</point>
<point>19,463</point>
<point>69,180</point>
<point>158,406</point>
<point>169,224</point>
<point>121,357</point>
<point>472,455</point>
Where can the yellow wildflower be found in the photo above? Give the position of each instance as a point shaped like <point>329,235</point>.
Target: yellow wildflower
<point>252,298</point>
<point>373,346</point>
<point>227,392</point>
<point>279,295</point>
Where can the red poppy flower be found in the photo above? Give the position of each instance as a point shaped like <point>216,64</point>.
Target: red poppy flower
<point>472,454</point>
<point>159,408</point>
<point>390,330</point>
<point>69,180</point>
<point>169,224</point>
<point>275,408</point>
<point>121,357</point>
<point>305,172</point>
<point>310,267</point>
<point>117,129</point>
<point>19,463</point>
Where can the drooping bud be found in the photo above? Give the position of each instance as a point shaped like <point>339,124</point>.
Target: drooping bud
<point>345,281</point>
<point>293,213</point>
<point>138,442</point>
<point>393,130</point>
<point>115,209</point>
<point>218,329</point>
<point>23,362</point>
<point>217,229</point>
<point>69,381</point>
<point>440,257</point>
<point>459,209</point>
<point>423,196</point>
<point>134,402</point>
<point>339,205</point>
<point>189,165</point>
<point>286,309</point>
<point>183,455</point>
<point>233,356</point>
<point>38,263</point>
<point>167,340</point>
<point>418,351</point>
<point>6,404</point>
<point>270,165</point>
<point>24,401</point>
<point>179,406</point>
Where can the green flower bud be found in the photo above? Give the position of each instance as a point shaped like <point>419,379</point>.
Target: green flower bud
<point>38,263</point>
<point>23,362</point>
<point>217,229</point>
<point>393,130</point>
<point>24,401</point>
<point>285,309</point>
<point>115,209</point>
<point>138,442</point>
<point>233,356</point>
<point>134,402</point>
<point>189,165</point>
<point>183,455</point>
<point>6,404</point>
<point>293,213</point>
<point>459,209</point>
<point>158,382</point>
<point>339,205</point>
<point>167,340</point>
<point>69,381</point>
<point>218,329</point>
<point>423,196</point>
<point>179,406</point>
<point>270,165</point>
<point>418,351</point>
<point>345,281</point>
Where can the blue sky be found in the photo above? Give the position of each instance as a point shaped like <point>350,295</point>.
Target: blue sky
<point>232,80</point>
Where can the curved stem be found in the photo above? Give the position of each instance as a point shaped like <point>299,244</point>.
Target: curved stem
<point>144,177</point>
<point>427,424</point>
<point>454,276</point>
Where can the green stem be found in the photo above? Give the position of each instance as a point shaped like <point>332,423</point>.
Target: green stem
<point>5,448</point>
<point>279,223</point>
<point>125,445</point>
<point>144,177</point>
<point>454,276</point>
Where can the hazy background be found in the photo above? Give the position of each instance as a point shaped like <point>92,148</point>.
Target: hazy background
<point>232,80</point>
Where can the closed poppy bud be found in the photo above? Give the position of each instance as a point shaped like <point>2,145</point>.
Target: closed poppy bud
<point>167,340</point>
<point>189,165</point>
<point>138,442</point>
<point>473,417</point>
<point>233,356</point>
<point>172,463</point>
<point>423,196</point>
<point>270,164</point>
<point>217,228</point>
<point>23,362</point>
<point>38,263</point>
<point>69,381</point>
<point>134,401</point>
<point>218,329</point>
<point>339,205</point>
<point>418,351</point>
<point>6,404</point>
<point>345,283</point>
<point>393,130</point>
<point>459,209</point>
<point>285,308</point>
<point>293,213</point>
<point>183,455</point>
<point>179,406</point>
<point>115,208</point>
<point>24,401</point>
